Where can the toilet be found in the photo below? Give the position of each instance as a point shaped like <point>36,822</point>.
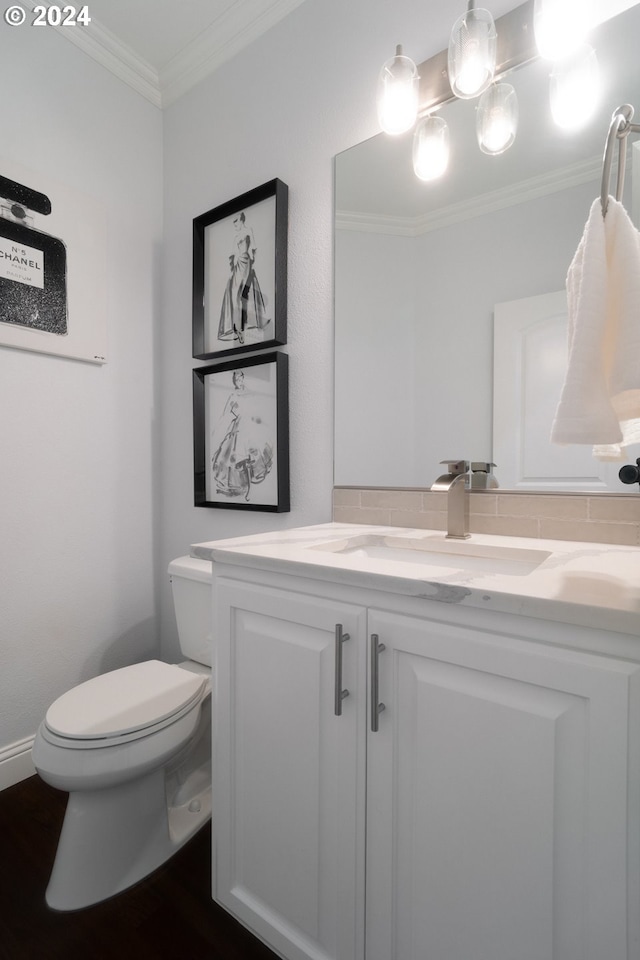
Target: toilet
<point>133,749</point>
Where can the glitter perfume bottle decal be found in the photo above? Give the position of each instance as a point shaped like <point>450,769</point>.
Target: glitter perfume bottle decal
<point>33,264</point>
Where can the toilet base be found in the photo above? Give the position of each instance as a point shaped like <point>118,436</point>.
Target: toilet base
<point>113,838</point>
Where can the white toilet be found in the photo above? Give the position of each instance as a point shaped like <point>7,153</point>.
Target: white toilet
<point>133,749</point>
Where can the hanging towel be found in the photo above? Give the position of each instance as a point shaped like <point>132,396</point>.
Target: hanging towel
<point>600,400</point>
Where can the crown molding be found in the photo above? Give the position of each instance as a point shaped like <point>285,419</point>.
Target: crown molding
<point>233,30</point>
<point>531,189</point>
<point>107,49</point>
<point>376,223</point>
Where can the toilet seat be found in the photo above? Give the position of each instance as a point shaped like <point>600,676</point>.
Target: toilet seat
<point>123,705</point>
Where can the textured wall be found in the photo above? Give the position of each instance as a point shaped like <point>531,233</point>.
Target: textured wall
<point>78,485</point>
<point>283,108</point>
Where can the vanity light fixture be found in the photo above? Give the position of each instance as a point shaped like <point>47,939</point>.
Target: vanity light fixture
<point>472,52</point>
<point>560,26</point>
<point>479,55</point>
<point>575,88</point>
<point>397,97</point>
<point>430,148</point>
<point>497,118</point>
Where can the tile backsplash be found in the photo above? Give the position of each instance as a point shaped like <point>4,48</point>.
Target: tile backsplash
<point>600,518</point>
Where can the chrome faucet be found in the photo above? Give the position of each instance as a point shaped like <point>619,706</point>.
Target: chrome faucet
<point>454,484</point>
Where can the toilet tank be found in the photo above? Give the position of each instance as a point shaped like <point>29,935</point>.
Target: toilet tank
<point>191,586</point>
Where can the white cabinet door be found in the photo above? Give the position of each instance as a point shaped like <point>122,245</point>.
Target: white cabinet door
<point>289,772</point>
<point>497,799</point>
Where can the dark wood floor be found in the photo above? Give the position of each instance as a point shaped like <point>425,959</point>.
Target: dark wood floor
<point>169,915</point>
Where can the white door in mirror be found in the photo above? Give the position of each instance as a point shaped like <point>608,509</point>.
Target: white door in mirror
<point>530,362</point>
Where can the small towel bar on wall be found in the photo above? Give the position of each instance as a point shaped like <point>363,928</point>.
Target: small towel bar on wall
<point>619,128</point>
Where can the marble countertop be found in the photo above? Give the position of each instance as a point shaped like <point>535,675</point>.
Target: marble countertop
<point>591,584</point>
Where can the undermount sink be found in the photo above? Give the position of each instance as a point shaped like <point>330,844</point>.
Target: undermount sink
<point>436,551</point>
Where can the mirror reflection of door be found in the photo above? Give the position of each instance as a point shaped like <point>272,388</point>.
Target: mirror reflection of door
<point>530,356</point>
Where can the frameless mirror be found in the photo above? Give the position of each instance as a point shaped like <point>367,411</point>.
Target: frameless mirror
<point>424,271</point>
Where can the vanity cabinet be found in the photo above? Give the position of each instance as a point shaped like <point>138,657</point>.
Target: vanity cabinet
<point>289,773</point>
<point>477,799</point>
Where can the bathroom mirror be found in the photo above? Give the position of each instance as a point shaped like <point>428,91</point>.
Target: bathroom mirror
<point>422,268</point>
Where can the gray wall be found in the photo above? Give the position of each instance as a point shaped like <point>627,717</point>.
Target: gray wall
<point>79,484</point>
<point>283,108</point>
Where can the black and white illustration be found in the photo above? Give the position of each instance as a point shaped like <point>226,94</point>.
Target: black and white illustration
<point>244,314</point>
<point>239,274</point>
<point>241,434</point>
<point>52,266</point>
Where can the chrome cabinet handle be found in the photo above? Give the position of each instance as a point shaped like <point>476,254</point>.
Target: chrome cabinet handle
<point>339,694</point>
<point>376,706</point>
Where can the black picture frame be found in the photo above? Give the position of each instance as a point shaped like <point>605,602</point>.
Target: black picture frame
<point>241,434</point>
<point>240,274</point>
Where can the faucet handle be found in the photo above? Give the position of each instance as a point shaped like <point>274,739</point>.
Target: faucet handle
<point>482,477</point>
<point>456,467</point>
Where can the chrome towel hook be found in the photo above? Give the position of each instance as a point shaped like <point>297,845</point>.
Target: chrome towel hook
<point>619,128</point>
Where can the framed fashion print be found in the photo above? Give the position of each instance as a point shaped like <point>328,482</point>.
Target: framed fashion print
<point>240,274</point>
<point>241,434</point>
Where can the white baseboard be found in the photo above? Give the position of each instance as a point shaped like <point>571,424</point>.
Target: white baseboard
<point>16,763</point>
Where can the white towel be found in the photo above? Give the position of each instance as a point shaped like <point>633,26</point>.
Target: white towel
<point>600,400</point>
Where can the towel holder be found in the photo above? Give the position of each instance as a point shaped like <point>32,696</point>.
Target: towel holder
<point>619,128</point>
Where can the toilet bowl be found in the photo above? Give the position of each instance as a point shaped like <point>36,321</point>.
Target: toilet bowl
<point>133,749</point>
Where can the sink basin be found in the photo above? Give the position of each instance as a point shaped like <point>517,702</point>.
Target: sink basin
<point>436,551</point>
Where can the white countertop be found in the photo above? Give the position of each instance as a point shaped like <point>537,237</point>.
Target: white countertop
<point>592,584</point>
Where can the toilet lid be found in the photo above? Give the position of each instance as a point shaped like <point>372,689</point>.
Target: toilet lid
<point>124,701</point>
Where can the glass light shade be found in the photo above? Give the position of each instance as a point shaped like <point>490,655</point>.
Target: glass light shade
<point>575,88</point>
<point>560,26</point>
<point>497,118</point>
<point>472,53</point>
<point>430,148</point>
<point>397,97</point>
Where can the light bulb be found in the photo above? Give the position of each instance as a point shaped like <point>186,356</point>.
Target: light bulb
<point>430,148</point>
<point>472,53</point>
<point>560,26</point>
<point>397,97</point>
<point>575,88</point>
<point>497,118</point>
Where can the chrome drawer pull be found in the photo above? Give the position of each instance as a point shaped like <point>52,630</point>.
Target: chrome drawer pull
<point>376,707</point>
<point>340,694</point>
